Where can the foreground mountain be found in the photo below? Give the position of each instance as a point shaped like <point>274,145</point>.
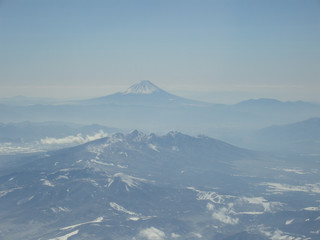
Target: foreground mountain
<point>138,186</point>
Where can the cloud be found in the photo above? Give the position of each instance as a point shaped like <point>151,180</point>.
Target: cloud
<point>152,233</point>
<point>79,139</point>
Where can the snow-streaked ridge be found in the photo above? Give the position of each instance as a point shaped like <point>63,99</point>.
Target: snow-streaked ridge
<point>98,220</point>
<point>131,182</point>
<point>132,215</point>
<point>65,237</point>
<point>119,208</point>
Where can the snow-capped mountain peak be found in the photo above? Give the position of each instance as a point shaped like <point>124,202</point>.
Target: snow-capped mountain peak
<point>143,87</point>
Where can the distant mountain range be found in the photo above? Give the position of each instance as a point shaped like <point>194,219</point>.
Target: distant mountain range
<point>146,106</point>
<point>301,137</point>
<point>27,101</point>
<point>146,187</point>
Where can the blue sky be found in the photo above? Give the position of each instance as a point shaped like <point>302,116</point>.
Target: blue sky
<point>221,51</point>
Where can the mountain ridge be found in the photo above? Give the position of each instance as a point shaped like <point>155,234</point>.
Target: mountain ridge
<point>175,185</point>
<point>301,137</point>
<point>142,93</point>
<point>145,89</point>
<point>146,106</point>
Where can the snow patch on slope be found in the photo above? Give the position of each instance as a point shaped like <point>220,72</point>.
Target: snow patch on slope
<point>132,215</point>
<point>65,237</point>
<point>98,220</point>
<point>60,209</point>
<point>311,209</point>
<point>101,163</point>
<point>153,147</point>
<point>131,182</point>
<point>288,222</point>
<point>211,196</point>
<point>5,192</point>
<point>278,188</point>
<point>152,233</point>
<point>224,215</point>
<point>119,208</point>
<point>143,87</point>
<point>291,170</point>
<point>98,149</point>
<point>46,182</point>
<point>278,234</point>
<point>267,206</point>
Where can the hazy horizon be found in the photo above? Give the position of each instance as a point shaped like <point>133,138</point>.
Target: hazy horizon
<point>219,97</point>
<point>222,97</point>
<point>214,51</point>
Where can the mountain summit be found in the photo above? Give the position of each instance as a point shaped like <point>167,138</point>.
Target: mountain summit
<point>143,87</point>
<point>144,93</point>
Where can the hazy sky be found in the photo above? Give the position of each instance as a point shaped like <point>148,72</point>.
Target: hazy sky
<point>221,51</point>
